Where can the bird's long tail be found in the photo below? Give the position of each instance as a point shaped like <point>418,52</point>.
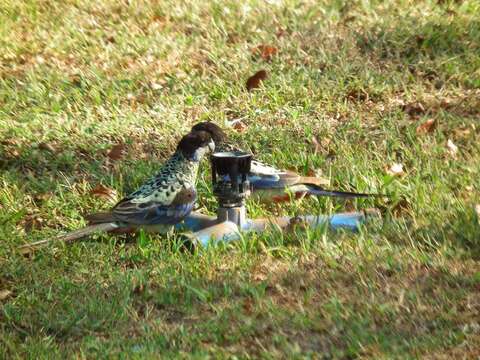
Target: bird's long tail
<point>74,235</point>
<point>316,190</point>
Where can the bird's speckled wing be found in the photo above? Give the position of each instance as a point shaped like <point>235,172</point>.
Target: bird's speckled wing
<point>155,212</point>
<point>165,199</point>
<point>163,186</point>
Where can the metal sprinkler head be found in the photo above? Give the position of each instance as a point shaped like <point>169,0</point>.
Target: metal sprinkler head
<point>230,177</point>
<point>231,187</point>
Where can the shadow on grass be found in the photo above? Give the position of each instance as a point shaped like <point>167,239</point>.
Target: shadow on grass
<point>313,306</point>
<point>432,50</point>
<point>44,169</point>
<point>461,230</point>
<point>411,39</point>
<point>27,162</point>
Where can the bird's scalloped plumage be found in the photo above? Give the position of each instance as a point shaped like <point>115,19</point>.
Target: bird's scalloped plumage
<point>163,201</point>
<point>168,196</point>
<point>176,174</point>
<point>269,183</point>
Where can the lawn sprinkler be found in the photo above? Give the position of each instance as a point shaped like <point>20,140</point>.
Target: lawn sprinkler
<point>231,188</point>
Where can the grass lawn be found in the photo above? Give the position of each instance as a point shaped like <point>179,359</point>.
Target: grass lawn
<point>354,88</point>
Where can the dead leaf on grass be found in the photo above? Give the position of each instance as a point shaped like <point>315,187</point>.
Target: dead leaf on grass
<point>5,294</point>
<point>296,223</point>
<point>103,192</point>
<point>238,125</point>
<point>414,109</point>
<point>138,289</point>
<point>280,33</point>
<point>396,170</point>
<point>266,52</point>
<point>46,146</point>
<point>426,127</point>
<point>316,145</point>
<point>117,152</point>
<point>248,306</point>
<point>462,132</point>
<point>254,81</point>
<point>110,39</point>
<point>401,207</point>
<point>452,148</point>
<point>41,197</point>
<point>358,94</point>
<point>32,222</point>
<point>349,19</point>
<point>156,86</point>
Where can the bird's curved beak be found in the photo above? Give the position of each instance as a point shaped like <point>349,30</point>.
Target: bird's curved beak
<point>211,146</point>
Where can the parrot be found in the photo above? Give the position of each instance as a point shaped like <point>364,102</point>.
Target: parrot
<point>160,203</point>
<point>270,184</point>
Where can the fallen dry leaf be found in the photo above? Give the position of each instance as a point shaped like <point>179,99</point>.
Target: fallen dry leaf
<point>266,52</point>
<point>10,142</point>
<point>259,276</point>
<point>280,32</point>
<point>233,38</point>
<point>401,207</point>
<point>5,294</point>
<point>110,39</point>
<point>239,126</point>
<point>41,197</point>
<point>358,95</point>
<point>420,39</point>
<point>254,81</point>
<point>427,127</point>
<point>75,79</point>
<point>103,192</point>
<point>349,19</point>
<point>414,109</point>
<point>296,223</point>
<point>248,306</point>
<point>156,86</point>
<point>117,152</point>
<point>462,132</point>
<point>47,147</point>
<point>142,150</point>
<point>452,148</point>
<point>138,289</point>
<point>396,170</point>
<point>477,211</point>
<point>39,60</point>
<point>316,145</point>
<point>32,222</point>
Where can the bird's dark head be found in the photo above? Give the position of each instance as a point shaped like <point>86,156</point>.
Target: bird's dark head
<point>214,130</point>
<point>195,145</point>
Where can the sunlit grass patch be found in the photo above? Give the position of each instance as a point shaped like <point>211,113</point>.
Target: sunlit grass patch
<point>348,87</point>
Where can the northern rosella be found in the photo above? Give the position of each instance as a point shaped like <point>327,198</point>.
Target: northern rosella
<point>268,183</point>
<point>163,201</point>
